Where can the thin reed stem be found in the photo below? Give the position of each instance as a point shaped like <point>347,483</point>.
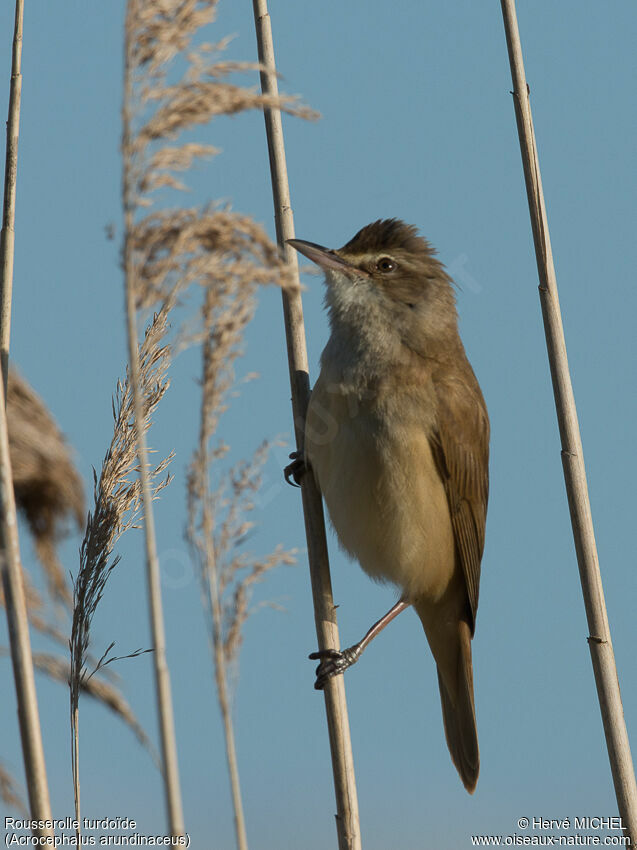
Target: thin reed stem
<point>347,818</point>
<point>599,639</point>
<point>7,234</point>
<point>201,484</point>
<point>10,564</point>
<point>162,676</point>
<point>221,671</point>
<point>75,763</point>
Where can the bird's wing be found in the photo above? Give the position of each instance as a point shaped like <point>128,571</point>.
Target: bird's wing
<point>460,445</point>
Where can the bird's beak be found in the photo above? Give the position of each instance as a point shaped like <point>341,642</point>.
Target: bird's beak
<point>323,257</point>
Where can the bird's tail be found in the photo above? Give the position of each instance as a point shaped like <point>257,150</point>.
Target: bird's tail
<point>458,711</point>
<point>449,637</point>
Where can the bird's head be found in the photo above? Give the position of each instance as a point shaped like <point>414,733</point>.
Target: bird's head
<point>387,269</point>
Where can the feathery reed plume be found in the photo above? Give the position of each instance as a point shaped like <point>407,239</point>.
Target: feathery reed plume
<point>167,251</point>
<point>210,247</point>
<point>179,246</point>
<point>117,503</point>
<point>48,489</point>
<point>47,486</point>
<point>234,571</point>
<point>159,109</point>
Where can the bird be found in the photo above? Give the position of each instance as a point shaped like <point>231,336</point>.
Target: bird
<point>397,439</point>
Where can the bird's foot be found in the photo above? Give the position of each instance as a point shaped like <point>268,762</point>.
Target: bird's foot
<point>334,662</point>
<point>295,470</point>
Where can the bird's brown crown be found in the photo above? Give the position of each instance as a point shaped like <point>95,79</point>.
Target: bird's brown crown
<point>390,234</point>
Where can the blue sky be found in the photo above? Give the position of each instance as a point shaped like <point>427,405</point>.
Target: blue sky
<point>417,123</point>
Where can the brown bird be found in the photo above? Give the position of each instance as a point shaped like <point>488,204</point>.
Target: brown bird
<point>397,437</point>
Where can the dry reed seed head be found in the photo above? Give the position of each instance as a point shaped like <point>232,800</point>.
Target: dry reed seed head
<point>159,30</point>
<point>191,103</point>
<point>224,252</point>
<point>48,487</point>
<point>224,318</point>
<point>238,610</point>
<point>156,175</point>
<point>156,34</point>
<point>117,498</point>
<point>181,247</point>
<point>238,571</point>
<point>234,571</point>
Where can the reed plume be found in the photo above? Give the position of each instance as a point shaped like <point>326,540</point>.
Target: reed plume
<point>49,492</point>
<point>116,508</point>
<point>48,488</point>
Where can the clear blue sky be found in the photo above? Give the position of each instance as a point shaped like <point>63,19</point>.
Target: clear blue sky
<point>417,123</point>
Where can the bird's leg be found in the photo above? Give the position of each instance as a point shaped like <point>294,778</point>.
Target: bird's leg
<point>334,661</point>
<point>296,469</point>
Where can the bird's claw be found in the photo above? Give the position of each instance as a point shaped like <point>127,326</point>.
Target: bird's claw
<point>333,662</point>
<point>295,470</point>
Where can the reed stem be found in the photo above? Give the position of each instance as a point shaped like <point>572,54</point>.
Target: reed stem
<point>347,818</point>
<point>599,640</point>
<point>162,676</point>
<point>10,563</point>
<point>7,234</point>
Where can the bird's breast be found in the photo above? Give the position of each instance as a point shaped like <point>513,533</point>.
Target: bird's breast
<point>370,453</point>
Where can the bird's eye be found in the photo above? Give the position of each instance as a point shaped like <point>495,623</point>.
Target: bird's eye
<point>386,264</point>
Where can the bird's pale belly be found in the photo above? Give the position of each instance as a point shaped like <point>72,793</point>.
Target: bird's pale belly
<point>384,495</point>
